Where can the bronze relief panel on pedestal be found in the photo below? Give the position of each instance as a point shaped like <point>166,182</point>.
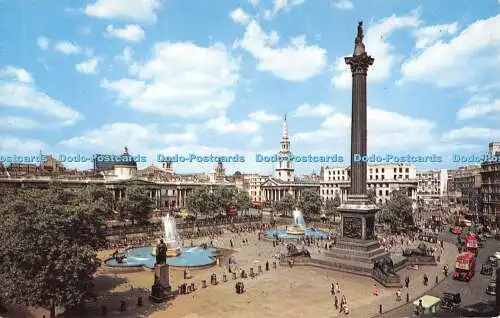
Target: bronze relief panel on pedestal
<point>352,227</point>
<point>369,228</point>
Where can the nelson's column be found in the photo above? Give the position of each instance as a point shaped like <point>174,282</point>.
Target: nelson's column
<point>357,251</point>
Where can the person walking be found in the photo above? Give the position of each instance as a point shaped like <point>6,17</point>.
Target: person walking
<point>407,282</point>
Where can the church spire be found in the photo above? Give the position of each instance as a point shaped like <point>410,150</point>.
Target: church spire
<point>285,127</point>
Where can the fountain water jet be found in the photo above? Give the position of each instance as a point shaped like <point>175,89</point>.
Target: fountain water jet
<point>170,236</point>
<point>300,225</point>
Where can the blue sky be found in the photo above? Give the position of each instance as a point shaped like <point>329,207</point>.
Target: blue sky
<point>171,76</point>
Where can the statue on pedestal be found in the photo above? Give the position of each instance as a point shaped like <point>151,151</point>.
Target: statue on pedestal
<point>359,46</point>
<point>161,253</point>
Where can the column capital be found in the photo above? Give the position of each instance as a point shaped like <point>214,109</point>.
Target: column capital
<point>359,63</point>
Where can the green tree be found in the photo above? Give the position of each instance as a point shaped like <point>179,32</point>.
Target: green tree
<point>136,207</point>
<point>103,199</point>
<point>372,196</point>
<point>201,201</point>
<point>286,204</point>
<point>243,201</point>
<point>224,197</point>
<point>48,243</point>
<point>397,212</point>
<point>310,203</point>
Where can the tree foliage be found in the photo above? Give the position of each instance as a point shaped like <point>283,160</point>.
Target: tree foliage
<point>397,212</point>
<point>201,201</point>
<point>243,201</point>
<point>136,206</point>
<point>372,196</point>
<point>310,203</point>
<point>48,243</point>
<point>285,205</point>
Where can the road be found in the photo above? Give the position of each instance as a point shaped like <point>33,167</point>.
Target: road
<point>472,292</point>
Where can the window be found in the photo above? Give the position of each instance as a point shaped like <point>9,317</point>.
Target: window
<point>376,177</point>
<point>383,177</point>
<point>379,192</point>
<point>371,177</point>
<point>387,192</point>
<point>407,170</point>
<point>400,170</point>
<point>395,171</point>
<point>376,170</point>
<point>383,170</point>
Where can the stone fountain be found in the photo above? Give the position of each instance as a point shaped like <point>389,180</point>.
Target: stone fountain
<point>300,225</point>
<point>170,237</point>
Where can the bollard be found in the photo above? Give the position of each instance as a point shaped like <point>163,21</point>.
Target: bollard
<point>437,280</point>
<point>380,309</point>
<point>224,278</point>
<point>139,301</point>
<point>407,297</point>
<point>104,310</point>
<point>203,284</point>
<point>123,307</point>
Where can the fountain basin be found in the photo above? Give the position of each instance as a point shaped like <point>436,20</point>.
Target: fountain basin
<point>295,230</point>
<point>173,252</point>
<point>188,257</point>
<point>294,235</point>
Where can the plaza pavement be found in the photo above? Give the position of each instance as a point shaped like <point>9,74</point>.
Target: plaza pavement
<point>284,292</point>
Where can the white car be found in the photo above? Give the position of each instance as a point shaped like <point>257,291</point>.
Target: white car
<point>497,255</point>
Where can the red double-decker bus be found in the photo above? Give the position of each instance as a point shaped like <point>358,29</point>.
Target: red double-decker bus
<point>471,245</point>
<point>465,266</point>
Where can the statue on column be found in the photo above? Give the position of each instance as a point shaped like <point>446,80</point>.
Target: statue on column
<point>359,47</point>
<point>161,253</point>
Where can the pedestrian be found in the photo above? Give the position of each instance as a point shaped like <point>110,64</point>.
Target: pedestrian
<point>333,289</point>
<point>426,279</point>
<point>337,288</point>
<point>407,282</point>
<point>398,295</point>
<point>445,270</point>
<point>336,302</point>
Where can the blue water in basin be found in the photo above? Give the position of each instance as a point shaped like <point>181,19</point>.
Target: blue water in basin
<point>189,257</point>
<point>282,234</point>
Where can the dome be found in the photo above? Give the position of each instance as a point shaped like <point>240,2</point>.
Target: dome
<point>237,173</point>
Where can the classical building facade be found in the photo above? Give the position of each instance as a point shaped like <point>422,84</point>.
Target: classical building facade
<point>464,189</point>
<point>167,189</point>
<point>490,187</point>
<point>381,178</point>
<point>432,186</point>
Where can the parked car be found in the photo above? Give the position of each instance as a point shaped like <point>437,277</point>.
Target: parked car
<point>497,255</point>
<point>492,287</point>
<point>486,269</point>
<point>493,260</point>
<point>450,301</point>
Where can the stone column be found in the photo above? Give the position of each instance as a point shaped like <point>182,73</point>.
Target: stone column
<point>359,63</point>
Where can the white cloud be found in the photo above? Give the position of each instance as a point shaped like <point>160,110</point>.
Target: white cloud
<point>306,110</point>
<point>18,90</point>
<point>181,79</point>
<point>133,10</point>
<point>88,67</point>
<point>296,61</point>
<point>43,43</point>
<point>223,125</point>
<point>479,107</point>
<point>387,131</point>
<point>255,3</point>
<point>67,48</point>
<point>377,45</point>
<point>134,136</point>
<point>471,133</point>
<point>343,4</point>
<point>282,6</point>
<point>263,116</point>
<point>427,36</point>
<point>10,145</point>
<point>465,59</point>
<point>19,123</point>
<point>149,141</point>
<point>126,56</point>
<point>256,141</point>
<point>131,32</point>
<point>19,74</point>
<point>240,16</point>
